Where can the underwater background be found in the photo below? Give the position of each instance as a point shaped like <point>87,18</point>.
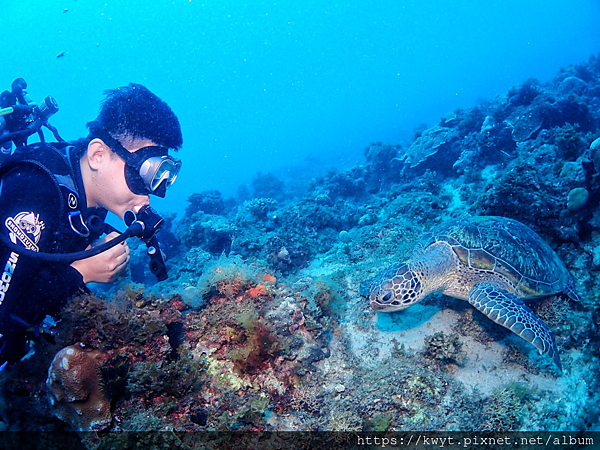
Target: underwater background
<point>280,86</point>
<point>320,141</point>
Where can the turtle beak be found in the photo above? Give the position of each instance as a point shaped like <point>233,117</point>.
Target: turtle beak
<point>378,306</point>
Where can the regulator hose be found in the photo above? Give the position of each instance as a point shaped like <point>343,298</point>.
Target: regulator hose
<point>135,229</point>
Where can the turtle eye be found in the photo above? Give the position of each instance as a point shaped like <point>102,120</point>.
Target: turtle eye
<point>387,297</point>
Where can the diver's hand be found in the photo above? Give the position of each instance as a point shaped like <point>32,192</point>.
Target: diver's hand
<point>107,266</point>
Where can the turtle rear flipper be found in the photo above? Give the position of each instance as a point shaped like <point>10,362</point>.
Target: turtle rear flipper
<point>509,311</point>
<point>571,292</point>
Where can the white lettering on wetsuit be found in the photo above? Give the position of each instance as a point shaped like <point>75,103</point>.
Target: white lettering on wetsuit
<point>9,269</point>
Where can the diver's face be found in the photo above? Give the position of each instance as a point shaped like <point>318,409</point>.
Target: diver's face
<point>110,189</point>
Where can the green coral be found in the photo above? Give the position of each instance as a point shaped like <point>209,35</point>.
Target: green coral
<point>444,348</point>
<point>503,410</point>
<point>569,141</point>
<point>175,378</point>
<point>224,275</point>
<point>380,422</point>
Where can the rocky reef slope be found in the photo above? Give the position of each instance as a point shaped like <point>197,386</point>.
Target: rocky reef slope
<point>261,325</point>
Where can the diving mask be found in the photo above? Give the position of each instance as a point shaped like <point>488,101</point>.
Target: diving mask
<point>149,170</point>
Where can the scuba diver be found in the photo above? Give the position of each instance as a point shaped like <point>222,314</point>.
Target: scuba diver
<point>54,198</point>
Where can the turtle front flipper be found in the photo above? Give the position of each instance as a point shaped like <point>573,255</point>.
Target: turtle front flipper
<point>509,311</point>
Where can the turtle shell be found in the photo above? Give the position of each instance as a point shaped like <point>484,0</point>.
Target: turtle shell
<point>503,247</point>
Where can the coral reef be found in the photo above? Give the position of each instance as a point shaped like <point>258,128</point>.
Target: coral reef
<point>502,412</point>
<point>209,202</point>
<point>444,349</point>
<point>261,326</point>
<point>74,387</point>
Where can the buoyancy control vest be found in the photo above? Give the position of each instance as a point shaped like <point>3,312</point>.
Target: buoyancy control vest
<point>80,224</point>
<point>77,222</point>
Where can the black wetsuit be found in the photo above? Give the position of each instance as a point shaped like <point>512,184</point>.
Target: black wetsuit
<point>43,208</point>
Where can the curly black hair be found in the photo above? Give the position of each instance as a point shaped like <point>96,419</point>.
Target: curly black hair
<point>135,112</point>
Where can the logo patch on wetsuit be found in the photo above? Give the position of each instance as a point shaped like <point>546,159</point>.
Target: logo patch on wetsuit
<point>27,228</point>
<point>9,269</point>
<point>72,200</point>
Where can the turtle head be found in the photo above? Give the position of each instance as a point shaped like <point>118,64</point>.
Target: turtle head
<point>396,288</point>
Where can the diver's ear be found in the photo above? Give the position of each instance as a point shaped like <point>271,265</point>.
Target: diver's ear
<point>97,153</point>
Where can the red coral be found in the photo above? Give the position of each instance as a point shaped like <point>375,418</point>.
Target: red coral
<point>269,278</point>
<point>258,291</point>
<point>179,305</point>
<point>259,351</point>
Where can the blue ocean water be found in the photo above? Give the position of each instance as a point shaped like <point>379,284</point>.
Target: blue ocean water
<point>274,86</point>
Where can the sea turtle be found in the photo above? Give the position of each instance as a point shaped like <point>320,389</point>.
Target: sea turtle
<point>492,262</point>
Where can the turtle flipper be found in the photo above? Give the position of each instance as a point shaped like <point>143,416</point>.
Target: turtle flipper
<point>571,292</point>
<point>509,311</point>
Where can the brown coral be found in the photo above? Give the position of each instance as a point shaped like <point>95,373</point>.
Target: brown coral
<point>75,390</point>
